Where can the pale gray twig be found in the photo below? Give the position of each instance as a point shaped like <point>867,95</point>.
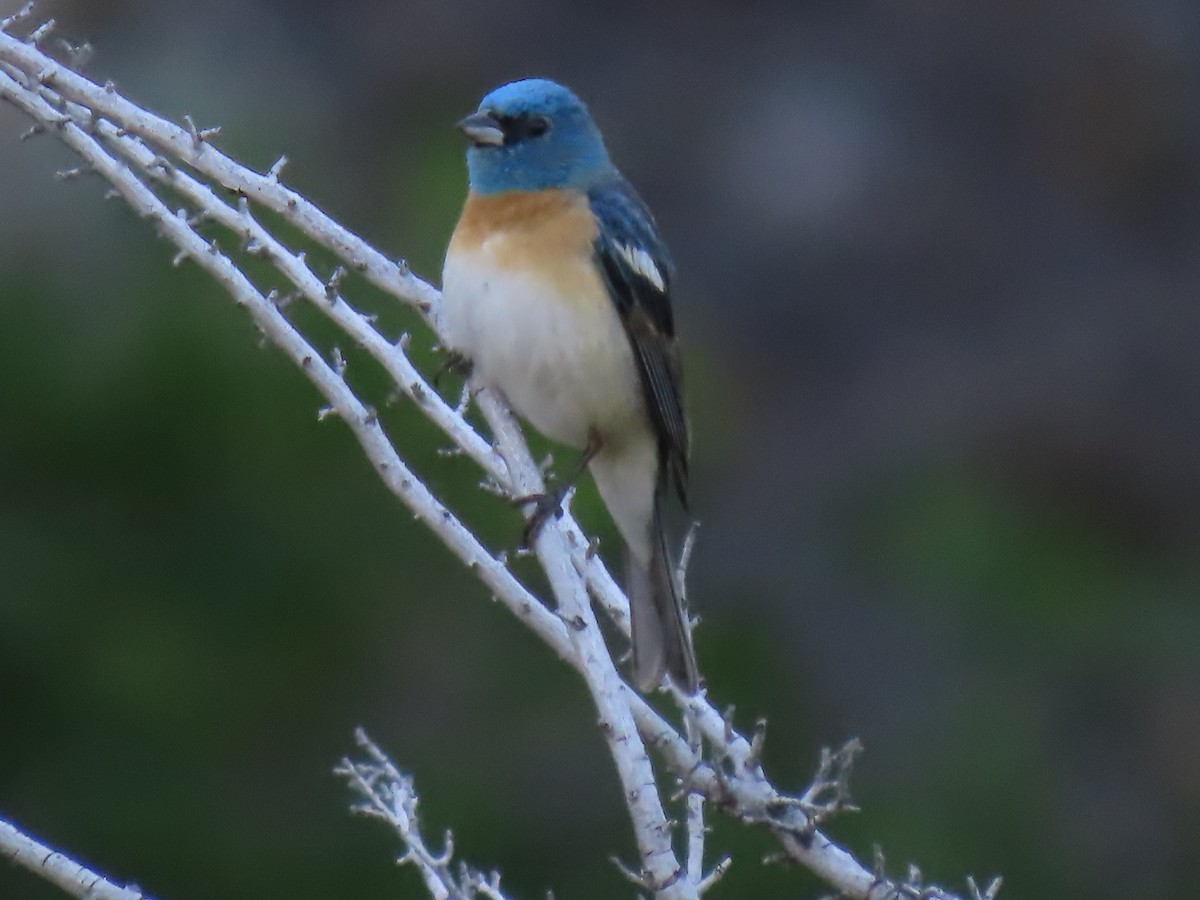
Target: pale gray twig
<point>389,795</point>
<point>59,869</point>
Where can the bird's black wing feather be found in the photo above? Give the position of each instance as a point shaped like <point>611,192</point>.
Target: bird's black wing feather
<point>637,271</point>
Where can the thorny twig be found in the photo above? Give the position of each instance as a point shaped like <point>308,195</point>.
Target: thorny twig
<point>389,795</point>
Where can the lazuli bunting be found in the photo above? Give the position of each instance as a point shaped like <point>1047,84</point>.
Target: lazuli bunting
<point>556,288</point>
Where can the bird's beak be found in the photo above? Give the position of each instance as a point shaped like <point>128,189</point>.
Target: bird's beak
<point>483,129</point>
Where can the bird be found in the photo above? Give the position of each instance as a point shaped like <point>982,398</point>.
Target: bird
<point>556,292</point>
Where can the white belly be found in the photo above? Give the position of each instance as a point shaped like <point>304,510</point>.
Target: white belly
<point>563,363</point>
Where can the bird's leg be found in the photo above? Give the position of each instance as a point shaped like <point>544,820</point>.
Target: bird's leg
<point>456,363</point>
<point>550,503</point>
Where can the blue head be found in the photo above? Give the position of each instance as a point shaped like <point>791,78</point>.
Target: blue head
<point>530,135</point>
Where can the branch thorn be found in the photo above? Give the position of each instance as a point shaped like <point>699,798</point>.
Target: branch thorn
<point>19,16</point>
<point>200,135</point>
<point>718,871</point>
<point>913,878</point>
<point>282,301</point>
<point>878,863</point>
<point>757,741</point>
<point>727,718</point>
<point>334,282</point>
<point>78,55</point>
<point>991,892</point>
<point>163,165</point>
<point>639,879</point>
<point>40,33</point>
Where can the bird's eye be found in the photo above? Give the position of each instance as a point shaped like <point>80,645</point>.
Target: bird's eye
<point>523,127</point>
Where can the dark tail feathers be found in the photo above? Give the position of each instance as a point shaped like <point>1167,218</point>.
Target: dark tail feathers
<point>662,637</point>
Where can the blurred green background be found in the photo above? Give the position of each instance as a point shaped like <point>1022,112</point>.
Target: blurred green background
<point>938,268</point>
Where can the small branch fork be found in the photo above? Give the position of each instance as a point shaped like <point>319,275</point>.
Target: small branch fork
<point>146,160</point>
<point>388,794</point>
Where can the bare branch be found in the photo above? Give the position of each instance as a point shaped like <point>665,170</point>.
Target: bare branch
<point>389,795</point>
<point>59,869</point>
<point>694,804</point>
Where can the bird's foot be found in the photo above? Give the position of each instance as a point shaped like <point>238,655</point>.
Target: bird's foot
<point>550,503</point>
<point>546,505</point>
<point>456,363</point>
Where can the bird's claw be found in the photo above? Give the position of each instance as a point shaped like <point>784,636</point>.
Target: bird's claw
<point>456,363</point>
<point>546,505</point>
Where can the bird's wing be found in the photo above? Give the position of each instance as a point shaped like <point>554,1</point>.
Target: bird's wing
<point>637,271</point>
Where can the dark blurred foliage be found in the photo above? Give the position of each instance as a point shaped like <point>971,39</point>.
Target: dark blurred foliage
<point>938,286</point>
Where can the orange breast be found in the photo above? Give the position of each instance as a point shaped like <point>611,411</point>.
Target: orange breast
<point>548,232</point>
